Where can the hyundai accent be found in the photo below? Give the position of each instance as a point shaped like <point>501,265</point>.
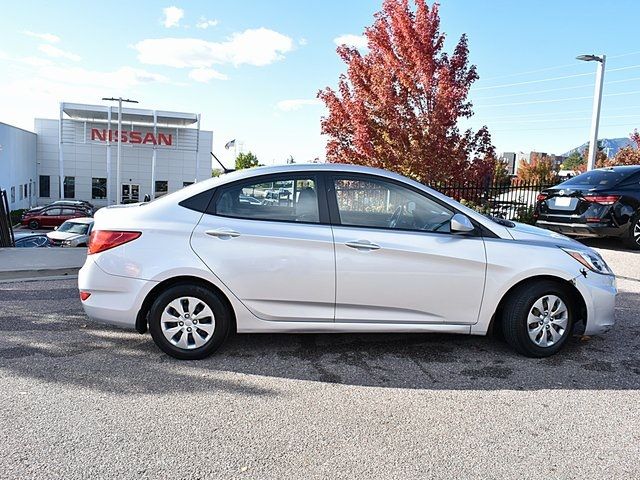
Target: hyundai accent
<point>335,248</point>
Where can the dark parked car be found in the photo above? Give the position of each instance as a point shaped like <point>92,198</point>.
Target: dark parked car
<point>51,216</point>
<point>31,240</point>
<point>88,207</point>
<point>601,203</point>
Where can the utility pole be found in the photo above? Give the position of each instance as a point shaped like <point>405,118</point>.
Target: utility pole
<point>119,100</point>
<point>597,103</point>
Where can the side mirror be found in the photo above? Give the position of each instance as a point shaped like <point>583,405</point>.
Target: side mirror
<point>55,228</point>
<point>461,224</point>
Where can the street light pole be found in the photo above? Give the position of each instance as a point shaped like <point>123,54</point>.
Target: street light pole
<point>597,103</point>
<point>119,100</point>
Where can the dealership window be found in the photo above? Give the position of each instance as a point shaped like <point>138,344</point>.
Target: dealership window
<point>20,197</point>
<point>13,194</point>
<point>29,189</point>
<point>98,188</point>
<point>162,187</point>
<point>281,198</point>
<point>26,191</point>
<point>380,204</point>
<point>69,187</point>
<point>186,184</point>
<point>45,186</point>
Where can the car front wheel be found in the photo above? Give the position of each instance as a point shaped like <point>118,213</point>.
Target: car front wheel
<point>538,318</point>
<point>188,322</point>
<point>34,224</point>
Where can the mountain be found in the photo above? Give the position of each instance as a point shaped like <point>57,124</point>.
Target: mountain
<point>609,145</point>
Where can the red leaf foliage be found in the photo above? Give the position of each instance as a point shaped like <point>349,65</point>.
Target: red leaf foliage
<point>399,104</point>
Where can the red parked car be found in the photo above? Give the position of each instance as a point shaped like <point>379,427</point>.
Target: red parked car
<point>52,216</point>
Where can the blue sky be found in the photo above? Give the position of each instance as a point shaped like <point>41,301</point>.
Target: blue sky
<point>253,68</point>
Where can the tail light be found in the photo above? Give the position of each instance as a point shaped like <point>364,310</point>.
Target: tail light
<point>541,197</point>
<point>602,199</point>
<point>101,240</point>
<point>84,295</point>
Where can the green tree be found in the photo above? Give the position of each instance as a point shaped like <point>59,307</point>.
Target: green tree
<point>573,162</point>
<point>216,172</point>
<point>246,160</point>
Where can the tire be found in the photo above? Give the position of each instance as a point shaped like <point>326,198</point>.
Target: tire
<point>549,334</point>
<point>34,224</point>
<point>632,239</point>
<point>180,338</point>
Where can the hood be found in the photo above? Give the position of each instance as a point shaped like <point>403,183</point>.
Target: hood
<point>522,231</point>
<point>61,236</point>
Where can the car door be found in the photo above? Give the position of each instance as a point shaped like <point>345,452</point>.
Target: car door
<point>50,217</point>
<point>276,256</point>
<point>396,260</point>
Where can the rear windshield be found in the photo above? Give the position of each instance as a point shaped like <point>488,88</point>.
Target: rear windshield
<point>596,178</point>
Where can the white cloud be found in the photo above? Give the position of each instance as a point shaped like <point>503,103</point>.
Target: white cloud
<point>47,37</point>
<point>297,104</point>
<point>56,52</point>
<point>205,23</point>
<point>172,16</point>
<point>356,41</point>
<point>122,78</point>
<point>204,75</point>
<point>36,61</point>
<point>302,42</point>
<point>252,47</point>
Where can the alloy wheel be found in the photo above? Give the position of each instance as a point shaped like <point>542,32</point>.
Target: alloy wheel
<point>188,323</point>
<point>547,321</point>
<point>636,231</point>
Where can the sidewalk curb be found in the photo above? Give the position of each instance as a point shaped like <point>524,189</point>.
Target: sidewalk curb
<point>39,273</point>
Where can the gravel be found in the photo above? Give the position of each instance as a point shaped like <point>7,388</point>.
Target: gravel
<point>83,400</point>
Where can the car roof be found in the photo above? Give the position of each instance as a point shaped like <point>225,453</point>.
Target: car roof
<point>622,168</point>
<point>80,220</point>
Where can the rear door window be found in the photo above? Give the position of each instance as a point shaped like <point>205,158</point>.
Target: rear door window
<point>282,198</point>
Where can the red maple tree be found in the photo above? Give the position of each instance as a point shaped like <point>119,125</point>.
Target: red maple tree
<point>399,104</point>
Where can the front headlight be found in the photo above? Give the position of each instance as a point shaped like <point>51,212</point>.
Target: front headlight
<point>592,260</point>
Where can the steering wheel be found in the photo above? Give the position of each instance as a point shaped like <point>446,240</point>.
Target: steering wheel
<point>397,215</point>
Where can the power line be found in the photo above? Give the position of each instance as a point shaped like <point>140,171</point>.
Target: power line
<point>528,82</point>
<point>535,92</point>
<point>573,119</point>
<point>561,128</point>
<point>556,67</point>
<point>555,100</point>
<point>564,112</point>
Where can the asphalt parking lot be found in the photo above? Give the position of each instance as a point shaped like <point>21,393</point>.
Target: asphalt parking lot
<point>83,400</point>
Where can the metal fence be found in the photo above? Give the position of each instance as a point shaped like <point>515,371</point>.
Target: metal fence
<point>6,230</point>
<point>507,199</point>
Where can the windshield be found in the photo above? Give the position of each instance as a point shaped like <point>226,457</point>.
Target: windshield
<point>595,178</point>
<point>72,227</point>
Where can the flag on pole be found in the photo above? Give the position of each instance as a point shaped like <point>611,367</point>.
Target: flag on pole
<point>230,143</point>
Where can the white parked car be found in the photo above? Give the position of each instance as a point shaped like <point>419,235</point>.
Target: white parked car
<point>72,233</point>
<point>352,249</point>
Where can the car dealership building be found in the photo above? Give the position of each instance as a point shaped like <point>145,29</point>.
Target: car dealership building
<point>76,155</point>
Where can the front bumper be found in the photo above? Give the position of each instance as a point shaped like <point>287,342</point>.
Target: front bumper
<point>599,293</point>
<point>115,300</point>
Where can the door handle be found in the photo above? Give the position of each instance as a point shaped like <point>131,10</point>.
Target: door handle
<point>362,245</point>
<point>222,233</point>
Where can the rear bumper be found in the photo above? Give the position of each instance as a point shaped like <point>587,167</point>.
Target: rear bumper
<point>115,300</point>
<point>581,229</point>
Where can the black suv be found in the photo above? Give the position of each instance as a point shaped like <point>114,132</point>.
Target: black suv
<point>601,203</point>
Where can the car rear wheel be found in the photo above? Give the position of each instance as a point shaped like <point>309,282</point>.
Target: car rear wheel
<point>189,322</point>
<point>34,224</point>
<point>538,318</point>
<point>633,237</point>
